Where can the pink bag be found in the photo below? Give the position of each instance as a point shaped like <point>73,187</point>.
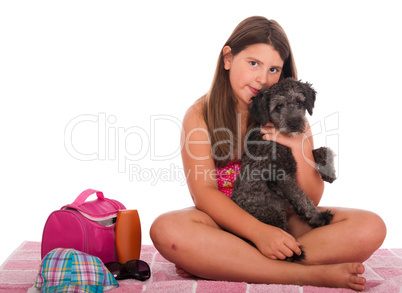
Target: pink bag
<point>87,226</point>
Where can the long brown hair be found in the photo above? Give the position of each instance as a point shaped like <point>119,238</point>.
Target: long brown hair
<point>219,109</point>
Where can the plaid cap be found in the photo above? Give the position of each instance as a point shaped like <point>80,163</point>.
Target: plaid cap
<point>69,270</point>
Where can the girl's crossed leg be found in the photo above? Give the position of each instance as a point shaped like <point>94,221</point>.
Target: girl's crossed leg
<point>194,242</point>
<point>353,236</point>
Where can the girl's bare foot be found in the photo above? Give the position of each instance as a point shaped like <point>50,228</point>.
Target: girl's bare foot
<point>342,276</point>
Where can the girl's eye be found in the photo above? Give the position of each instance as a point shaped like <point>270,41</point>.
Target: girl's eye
<point>273,70</point>
<point>253,63</point>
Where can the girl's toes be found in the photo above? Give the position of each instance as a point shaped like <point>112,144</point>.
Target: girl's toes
<point>360,269</point>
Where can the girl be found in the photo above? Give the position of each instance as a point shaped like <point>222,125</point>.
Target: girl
<point>205,240</point>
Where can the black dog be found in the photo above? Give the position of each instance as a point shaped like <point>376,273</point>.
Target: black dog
<point>266,185</point>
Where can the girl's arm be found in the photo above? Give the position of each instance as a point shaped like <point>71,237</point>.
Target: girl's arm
<point>199,169</point>
<point>302,146</point>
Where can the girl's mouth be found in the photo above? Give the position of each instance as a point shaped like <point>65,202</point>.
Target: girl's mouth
<point>253,90</point>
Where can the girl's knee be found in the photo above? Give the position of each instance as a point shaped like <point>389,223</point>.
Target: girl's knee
<point>377,229</point>
<point>368,232</point>
<point>372,234</point>
<point>367,228</point>
<point>176,228</point>
<point>169,228</point>
<point>160,228</point>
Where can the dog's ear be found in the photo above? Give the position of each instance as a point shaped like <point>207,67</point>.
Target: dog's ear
<point>259,108</point>
<point>310,94</point>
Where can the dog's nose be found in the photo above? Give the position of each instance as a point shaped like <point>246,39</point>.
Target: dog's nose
<point>294,125</point>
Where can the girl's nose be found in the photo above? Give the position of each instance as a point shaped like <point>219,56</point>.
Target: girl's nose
<point>262,77</point>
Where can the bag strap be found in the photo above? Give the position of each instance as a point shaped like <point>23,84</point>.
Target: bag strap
<point>85,194</point>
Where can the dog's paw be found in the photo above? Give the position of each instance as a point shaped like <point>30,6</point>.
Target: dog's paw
<point>296,258</point>
<point>324,159</point>
<point>328,175</point>
<point>323,218</point>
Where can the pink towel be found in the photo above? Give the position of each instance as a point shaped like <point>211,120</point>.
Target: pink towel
<point>18,273</point>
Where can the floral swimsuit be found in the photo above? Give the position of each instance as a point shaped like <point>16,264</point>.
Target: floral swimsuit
<point>226,176</point>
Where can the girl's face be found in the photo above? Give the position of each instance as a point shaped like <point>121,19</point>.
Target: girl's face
<point>250,70</point>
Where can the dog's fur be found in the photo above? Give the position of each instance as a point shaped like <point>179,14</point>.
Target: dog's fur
<point>266,185</point>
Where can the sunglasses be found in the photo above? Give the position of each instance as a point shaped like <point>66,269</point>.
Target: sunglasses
<point>133,269</point>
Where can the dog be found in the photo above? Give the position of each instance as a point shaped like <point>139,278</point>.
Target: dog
<point>266,185</point>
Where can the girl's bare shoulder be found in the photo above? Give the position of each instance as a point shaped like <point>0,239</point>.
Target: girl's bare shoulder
<point>194,115</point>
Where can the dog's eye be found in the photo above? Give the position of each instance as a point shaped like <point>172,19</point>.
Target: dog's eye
<point>299,104</point>
<point>278,108</point>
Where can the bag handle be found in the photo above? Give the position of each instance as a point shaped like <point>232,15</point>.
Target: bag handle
<point>85,194</point>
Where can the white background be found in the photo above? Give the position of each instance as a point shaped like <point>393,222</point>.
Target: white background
<point>132,68</point>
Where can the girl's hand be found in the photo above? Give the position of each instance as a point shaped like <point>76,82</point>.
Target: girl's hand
<point>275,243</point>
<point>272,134</point>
